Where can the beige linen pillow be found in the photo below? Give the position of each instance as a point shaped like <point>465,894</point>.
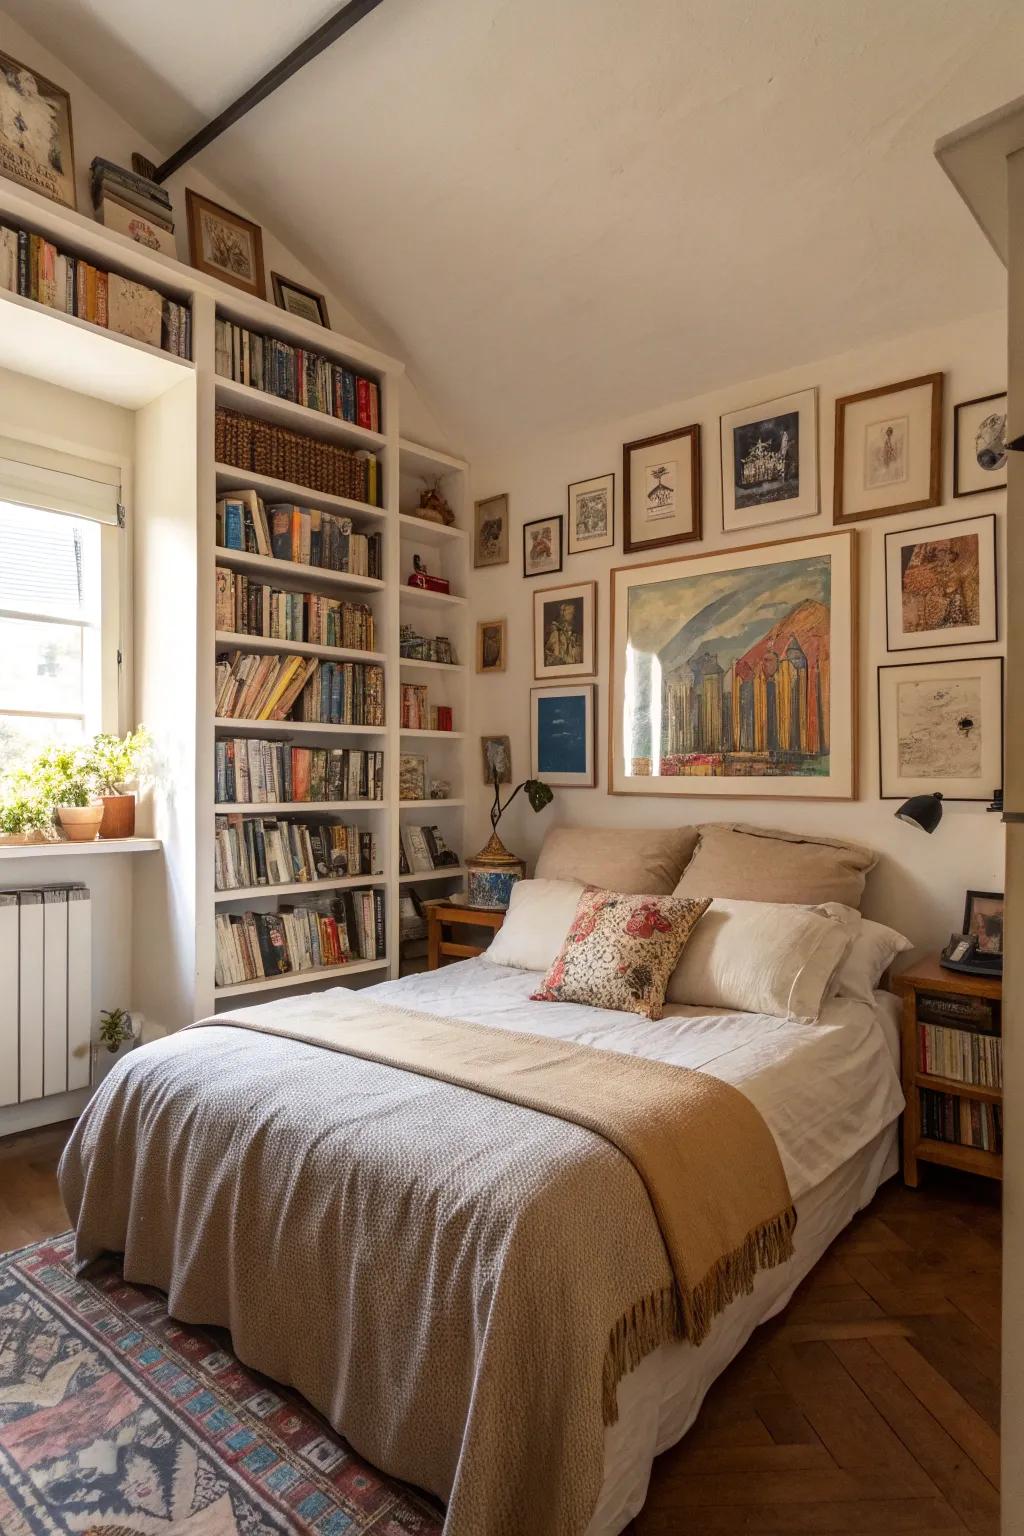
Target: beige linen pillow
<point>744,863</point>
<point>639,862</point>
<point>539,916</point>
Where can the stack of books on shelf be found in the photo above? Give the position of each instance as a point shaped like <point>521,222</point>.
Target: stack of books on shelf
<point>263,850</point>
<point>249,607</point>
<point>964,1122</point>
<point>133,205</point>
<point>250,686</point>
<point>420,715</point>
<point>303,535</point>
<point>423,849</point>
<point>253,771</point>
<point>296,374</point>
<point>958,1038</point>
<point>299,939</point>
<point>249,442</point>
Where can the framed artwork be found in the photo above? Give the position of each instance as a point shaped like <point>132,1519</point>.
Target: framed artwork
<point>940,728</point>
<point>983,920</point>
<point>35,132</point>
<point>734,673</point>
<point>565,632</point>
<point>940,585</point>
<point>223,244</point>
<point>591,514</point>
<point>490,531</point>
<point>562,736</point>
<point>542,546</point>
<point>661,490</point>
<point>299,301</point>
<point>491,637</point>
<point>496,753</point>
<point>888,450</point>
<point>979,445</point>
<point>770,462</point>
<point>412,777</point>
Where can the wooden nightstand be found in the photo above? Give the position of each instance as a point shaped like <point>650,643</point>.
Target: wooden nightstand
<point>952,1117</point>
<point>442,915</point>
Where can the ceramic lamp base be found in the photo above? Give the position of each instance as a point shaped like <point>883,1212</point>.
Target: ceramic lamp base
<point>492,874</point>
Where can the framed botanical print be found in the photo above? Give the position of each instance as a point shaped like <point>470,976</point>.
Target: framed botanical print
<point>35,132</point>
<point>979,445</point>
<point>542,546</point>
<point>661,490</point>
<point>565,632</point>
<point>223,244</point>
<point>304,303</point>
<point>770,462</point>
<point>734,673</point>
<point>940,585</point>
<point>490,531</point>
<point>940,728</point>
<point>888,454</point>
<point>490,645</point>
<point>562,736</point>
<point>591,514</point>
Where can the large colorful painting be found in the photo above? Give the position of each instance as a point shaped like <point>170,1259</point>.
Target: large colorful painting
<point>733,673</point>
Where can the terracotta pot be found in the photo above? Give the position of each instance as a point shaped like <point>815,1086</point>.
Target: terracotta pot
<point>81,822</point>
<point>118,816</point>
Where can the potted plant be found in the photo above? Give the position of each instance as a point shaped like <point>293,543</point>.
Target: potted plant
<point>115,762</point>
<point>494,871</point>
<point>115,1028</point>
<point>25,817</point>
<point>64,780</point>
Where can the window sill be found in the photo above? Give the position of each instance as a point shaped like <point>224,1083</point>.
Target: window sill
<point>79,850</point>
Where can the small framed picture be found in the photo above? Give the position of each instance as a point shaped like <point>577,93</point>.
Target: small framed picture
<point>979,445</point>
<point>223,244</point>
<point>591,514</point>
<point>562,735</point>
<point>491,637</point>
<point>35,132</point>
<point>542,546</point>
<point>940,728</point>
<point>496,757</point>
<point>661,490</point>
<point>940,585</point>
<point>412,777</point>
<point>983,921</point>
<point>888,453</point>
<point>490,531</point>
<point>565,632</point>
<point>299,301</point>
<point>770,462</point>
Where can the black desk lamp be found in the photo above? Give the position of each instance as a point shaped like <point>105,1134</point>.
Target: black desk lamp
<point>923,811</point>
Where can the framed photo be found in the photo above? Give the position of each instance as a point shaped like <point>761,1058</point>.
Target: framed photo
<point>734,673</point>
<point>565,632</point>
<point>591,514</point>
<point>770,462</point>
<point>542,546</point>
<point>661,490</point>
<point>562,736</point>
<point>940,585</point>
<point>496,753</point>
<point>940,728</point>
<point>979,445</point>
<point>491,638</point>
<point>888,450</point>
<point>223,244</point>
<point>490,531</point>
<point>299,301</point>
<point>983,921</point>
<point>412,777</point>
<point>35,132</point>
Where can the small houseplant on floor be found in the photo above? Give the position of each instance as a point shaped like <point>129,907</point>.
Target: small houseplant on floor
<point>115,762</point>
<point>494,871</point>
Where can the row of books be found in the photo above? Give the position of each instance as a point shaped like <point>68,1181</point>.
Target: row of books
<point>299,939</point>
<point>249,607</point>
<point>418,714</point>
<point>964,1122</point>
<point>263,850</point>
<point>251,770</point>
<point>303,535</point>
<point>250,686</point>
<point>422,849</point>
<point>967,1056</point>
<point>296,374</point>
<point>265,448</point>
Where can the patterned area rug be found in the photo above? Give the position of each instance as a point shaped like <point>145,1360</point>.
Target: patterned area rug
<point>117,1421</point>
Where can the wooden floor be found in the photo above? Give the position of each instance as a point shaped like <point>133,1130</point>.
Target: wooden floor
<point>869,1408</point>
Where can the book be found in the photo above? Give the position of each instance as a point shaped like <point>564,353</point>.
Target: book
<point>265,687</point>
<point>299,938</point>
<point>134,310</point>
<point>138,226</point>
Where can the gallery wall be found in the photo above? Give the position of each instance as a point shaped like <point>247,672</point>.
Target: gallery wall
<point>920,881</point>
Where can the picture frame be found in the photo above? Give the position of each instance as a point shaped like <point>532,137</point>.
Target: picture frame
<point>412,777</point>
<point>225,245</point>
<point>298,300</point>
<point>42,155</point>
<point>563,736</point>
<point>661,490</point>
<point>979,445</point>
<point>769,455</point>
<point>888,450</point>
<point>496,751</point>
<point>491,644</point>
<point>542,546</point>
<point>940,728</point>
<point>565,632</point>
<point>983,920</point>
<point>590,514</point>
<point>940,585</point>
<point>718,690</point>
<point>490,531</point>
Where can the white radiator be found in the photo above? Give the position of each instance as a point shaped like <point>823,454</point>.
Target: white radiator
<point>45,991</point>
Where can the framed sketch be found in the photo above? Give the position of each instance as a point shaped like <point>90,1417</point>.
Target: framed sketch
<point>940,728</point>
<point>490,531</point>
<point>35,132</point>
<point>491,638</point>
<point>565,632</point>
<point>542,546</point>
<point>940,585</point>
<point>661,489</point>
<point>979,445</point>
<point>770,462</point>
<point>223,244</point>
<point>983,920</point>
<point>496,753</point>
<point>562,736</point>
<point>412,777</point>
<point>299,301</point>
<point>888,455</point>
<point>591,514</point>
<point>734,673</point>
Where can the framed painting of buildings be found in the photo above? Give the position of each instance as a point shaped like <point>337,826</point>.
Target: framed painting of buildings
<point>770,462</point>
<point>940,585</point>
<point>735,673</point>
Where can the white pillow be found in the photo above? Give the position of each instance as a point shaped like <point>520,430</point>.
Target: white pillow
<point>761,957</point>
<point>539,917</point>
<point>873,950</point>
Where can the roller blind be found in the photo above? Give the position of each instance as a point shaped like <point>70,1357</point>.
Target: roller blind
<point>32,476</point>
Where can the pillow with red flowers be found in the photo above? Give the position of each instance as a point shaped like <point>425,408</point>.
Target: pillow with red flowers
<point>621,951</point>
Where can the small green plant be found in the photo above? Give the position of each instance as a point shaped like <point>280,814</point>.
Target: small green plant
<point>62,776</point>
<point>115,1028</point>
<point>115,761</point>
<point>22,810</point>
<point>538,793</point>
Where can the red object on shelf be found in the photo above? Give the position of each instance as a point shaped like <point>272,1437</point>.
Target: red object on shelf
<point>429,583</point>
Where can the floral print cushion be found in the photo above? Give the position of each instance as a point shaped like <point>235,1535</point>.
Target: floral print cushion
<point>621,951</point>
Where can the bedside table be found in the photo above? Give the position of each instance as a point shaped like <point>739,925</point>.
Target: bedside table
<point>952,1051</point>
<point>442,915</point>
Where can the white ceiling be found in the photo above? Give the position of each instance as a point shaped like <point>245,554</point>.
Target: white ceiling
<point>572,210</point>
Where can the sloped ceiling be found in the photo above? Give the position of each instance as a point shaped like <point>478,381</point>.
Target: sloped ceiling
<point>571,210</point>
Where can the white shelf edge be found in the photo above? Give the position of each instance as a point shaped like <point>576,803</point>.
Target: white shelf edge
<point>426,805</point>
<point>294,728</point>
<point>433,666</point>
<point>422,596</point>
<point>433,735</point>
<point>453,873</point>
<point>289,413</point>
<point>228,637</point>
<point>299,978</point>
<point>76,850</point>
<point>277,807</point>
<point>299,495</point>
<point>444,462</point>
<point>296,888</point>
<point>243,560</point>
<point>419,530</point>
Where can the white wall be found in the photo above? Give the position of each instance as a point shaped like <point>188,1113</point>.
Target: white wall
<point>920,882</point>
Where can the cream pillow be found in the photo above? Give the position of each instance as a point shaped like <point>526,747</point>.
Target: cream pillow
<point>761,957</point>
<point>639,862</point>
<point>539,916</point>
<point>743,863</point>
<point>873,949</point>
